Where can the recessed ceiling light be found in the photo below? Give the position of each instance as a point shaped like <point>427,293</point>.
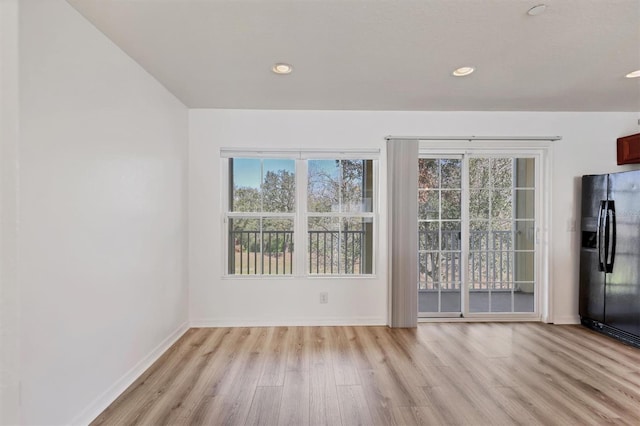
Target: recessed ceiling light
<point>633,74</point>
<point>462,71</point>
<point>282,68</point>
<point>537,10</point>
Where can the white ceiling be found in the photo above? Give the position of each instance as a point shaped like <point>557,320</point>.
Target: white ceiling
<point>383,54</point>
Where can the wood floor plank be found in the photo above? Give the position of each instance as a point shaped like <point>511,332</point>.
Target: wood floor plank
<point>230,399</point>
<point>353,406</point>
<point>294,406</point>
<point>187,381</point>
<point>386,380</point>
<point>605,402</point>
<point>360,347</point>
<point>547,387</point>
<point>344,367</point>
<point>298,349</point>
<point>211,379</point>
<point>265,407</point>
<point>323,397</point>
<point>484,382</point>
<point>320,348</point>
<point>275,358</point>
<point>518,410</point>
<point>441,374</point>
<point>417,416</point>
<point>402,363</point>
<point>454,407</point>
<point>478,381</point>
<point>381,395</point>
<point>596,364</point>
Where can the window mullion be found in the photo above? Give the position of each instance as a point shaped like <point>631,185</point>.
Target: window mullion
<point>261,186</point>
<point>225,195</point>
<point>340,220</point>
<point>341,215</point>
<point>300,226</point>
<point>256,215</point>
<point>491,249</point>
<point>465,237</point>
<point>255,263</point>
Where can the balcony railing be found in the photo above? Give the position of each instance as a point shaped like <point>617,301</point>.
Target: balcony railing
<point>491,260</point>
<point>330,252</point>
<point>333,252</point>
<point>271,254</point>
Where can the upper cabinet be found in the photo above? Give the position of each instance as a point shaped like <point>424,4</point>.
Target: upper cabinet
<point>629,149</point>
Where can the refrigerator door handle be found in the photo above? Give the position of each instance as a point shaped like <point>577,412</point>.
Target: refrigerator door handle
<point>611,231</point>
<point>600,236</point>
<point>605,233</point>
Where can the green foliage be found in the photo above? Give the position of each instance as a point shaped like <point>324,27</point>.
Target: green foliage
<point>438,177</point>
<point>279,191</point>
<point>276,194</point>
<point>246,199</point>
<point>336,188</point>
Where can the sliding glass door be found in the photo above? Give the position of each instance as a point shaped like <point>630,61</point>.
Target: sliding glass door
<point>439,234</point>
<point>477,230</point>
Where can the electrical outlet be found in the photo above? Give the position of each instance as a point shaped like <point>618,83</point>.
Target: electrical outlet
<point>324,297</point>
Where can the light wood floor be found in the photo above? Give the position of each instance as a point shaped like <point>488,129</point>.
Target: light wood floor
<point>437,374</point>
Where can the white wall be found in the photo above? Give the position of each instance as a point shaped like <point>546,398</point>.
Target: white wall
<point>588,146</point>
<point>216,301</point>
<point>102,221</point>
<point>9,289</point>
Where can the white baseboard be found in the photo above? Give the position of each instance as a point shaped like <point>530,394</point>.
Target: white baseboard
<point>103,401</point>
<point>566,319</point>
<point>285,322</point>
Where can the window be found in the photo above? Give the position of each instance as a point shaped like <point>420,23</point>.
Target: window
<point>261,216</point>
<point>340,216</point>
<point>277,205</point>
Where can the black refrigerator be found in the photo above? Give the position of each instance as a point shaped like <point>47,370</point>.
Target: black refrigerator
<point>610,255</point>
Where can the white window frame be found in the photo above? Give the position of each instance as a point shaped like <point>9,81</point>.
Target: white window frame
<point>301,214</point>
